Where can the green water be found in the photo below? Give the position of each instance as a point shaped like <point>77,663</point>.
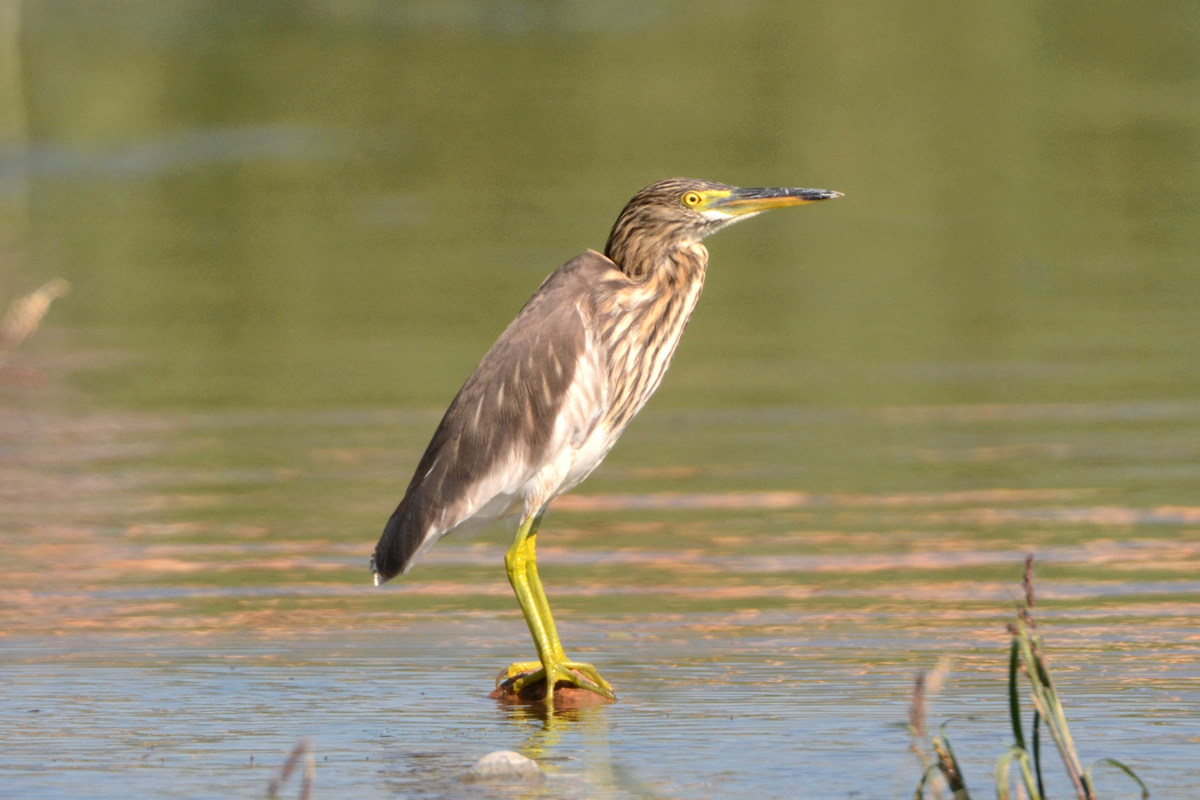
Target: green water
<point>292,229</point>
<point>330,204</point>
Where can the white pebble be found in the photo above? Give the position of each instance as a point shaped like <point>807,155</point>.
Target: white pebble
<point>505,765</point>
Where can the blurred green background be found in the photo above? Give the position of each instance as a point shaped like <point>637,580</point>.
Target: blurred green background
<point>330,204</point>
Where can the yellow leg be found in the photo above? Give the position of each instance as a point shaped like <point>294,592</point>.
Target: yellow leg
<point>535,587</point>
<point>521,564</point>
<point>543,606</point>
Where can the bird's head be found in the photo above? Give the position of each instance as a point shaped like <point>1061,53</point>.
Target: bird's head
<point>679,212</point>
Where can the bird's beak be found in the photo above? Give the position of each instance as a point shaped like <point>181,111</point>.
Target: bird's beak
<point>752,201</point>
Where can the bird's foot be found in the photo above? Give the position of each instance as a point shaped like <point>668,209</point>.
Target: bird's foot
<point>572,673</point>
<point>516,669</point>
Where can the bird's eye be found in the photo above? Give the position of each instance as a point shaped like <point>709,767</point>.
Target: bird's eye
<point>691,199</point>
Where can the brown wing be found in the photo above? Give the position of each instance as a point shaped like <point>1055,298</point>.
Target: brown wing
<point>502,418</point>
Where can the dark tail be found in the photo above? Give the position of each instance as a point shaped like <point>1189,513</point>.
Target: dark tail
<point>402,537</point>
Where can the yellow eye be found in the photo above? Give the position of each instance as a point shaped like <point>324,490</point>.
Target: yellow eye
<point>691,199</point>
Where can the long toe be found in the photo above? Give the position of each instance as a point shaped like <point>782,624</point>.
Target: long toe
<point>526,681</point>
<point>590,671</point>
<point>567,672</point>
<point>517,668</point>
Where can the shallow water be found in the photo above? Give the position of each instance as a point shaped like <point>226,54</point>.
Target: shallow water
<point>169,615</point>
<point>292,230</point>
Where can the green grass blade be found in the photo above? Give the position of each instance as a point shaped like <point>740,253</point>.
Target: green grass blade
<point>1003,766</point>
<point>1045,701</point>
<point>1003,763</point>
<point>1014,693</point>
<point>919,793</point>
<point>949,765</point>
<point>1037,752</point>
<point>1112,762</point>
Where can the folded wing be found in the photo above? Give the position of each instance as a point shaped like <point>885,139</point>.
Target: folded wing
<point>500,430</point>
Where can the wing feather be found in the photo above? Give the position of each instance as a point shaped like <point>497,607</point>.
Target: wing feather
<point>500,429</point>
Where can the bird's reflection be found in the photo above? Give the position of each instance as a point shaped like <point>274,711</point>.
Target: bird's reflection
<point>549,725</point>
<point>544,744</point>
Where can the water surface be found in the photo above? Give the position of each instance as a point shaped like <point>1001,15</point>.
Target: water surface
<point>292,229</point>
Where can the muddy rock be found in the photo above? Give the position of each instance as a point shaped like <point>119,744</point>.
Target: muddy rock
<point>565,695</point>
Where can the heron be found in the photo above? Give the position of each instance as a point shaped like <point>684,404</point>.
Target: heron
<point>554,393</point>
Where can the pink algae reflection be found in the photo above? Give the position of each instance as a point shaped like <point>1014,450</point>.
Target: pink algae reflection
<point>789,500</point>
<point>1040,412</point>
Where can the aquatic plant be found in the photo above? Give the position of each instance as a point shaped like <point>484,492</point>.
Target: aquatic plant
<point>302,751</point>
<point>941,768</point>
<point>1026,656</point>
